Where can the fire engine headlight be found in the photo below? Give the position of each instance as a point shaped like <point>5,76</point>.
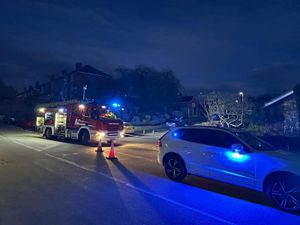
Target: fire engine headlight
<point>122,134</point>
<point>100,135</point>
<point>41,110</point>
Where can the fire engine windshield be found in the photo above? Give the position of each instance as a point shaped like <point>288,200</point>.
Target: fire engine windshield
<point>102,114</point>
<point>107,114</point>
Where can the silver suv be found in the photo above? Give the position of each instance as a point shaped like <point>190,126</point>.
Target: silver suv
<point>234,157</point>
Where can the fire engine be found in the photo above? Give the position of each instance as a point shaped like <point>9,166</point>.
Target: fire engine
<point>79,120</point>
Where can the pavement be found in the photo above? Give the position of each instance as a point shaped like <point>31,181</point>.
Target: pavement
<point>61,182</point>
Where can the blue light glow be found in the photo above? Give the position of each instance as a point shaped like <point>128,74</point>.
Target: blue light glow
<point>175,134</point>
<point>237,157</point>
<point>116,104</point>
<point>230,173</point>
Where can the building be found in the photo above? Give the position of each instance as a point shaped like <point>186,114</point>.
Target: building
<point>188,107</point>
<point>69,85</point>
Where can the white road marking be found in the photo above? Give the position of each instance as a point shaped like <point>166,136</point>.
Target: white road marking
<point>86,168</point>
<point>75,153</point>
<point>46,147</point>
<point>117,180</point>
<point>51,146</point>
<point>26,146</point>
<point>72,153</point>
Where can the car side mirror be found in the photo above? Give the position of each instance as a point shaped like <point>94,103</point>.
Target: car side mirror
<point>238,148</point>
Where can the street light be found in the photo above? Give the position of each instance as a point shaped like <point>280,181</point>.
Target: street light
<point>242,99</point>
<point>84,89</point>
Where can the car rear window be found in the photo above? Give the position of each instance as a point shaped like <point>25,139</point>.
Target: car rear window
<point>191,135</point>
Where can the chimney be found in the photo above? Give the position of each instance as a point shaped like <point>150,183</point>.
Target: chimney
<point>78,66</point>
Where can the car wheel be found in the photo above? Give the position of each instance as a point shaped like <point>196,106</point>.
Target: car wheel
<point>284,192</point>
<point>175,168</point>
<point>84,137</point>
<point>48,133</point>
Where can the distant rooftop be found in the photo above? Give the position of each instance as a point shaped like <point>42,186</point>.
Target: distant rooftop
<point>87,69</point>
<point>186,98</point>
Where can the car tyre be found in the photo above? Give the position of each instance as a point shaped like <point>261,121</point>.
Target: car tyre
<point>284,192</point>
<point>84,137</point>
<point>48,133</point>
<point>175,167</point>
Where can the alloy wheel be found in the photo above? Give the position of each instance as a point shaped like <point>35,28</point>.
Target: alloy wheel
<point>286,195</point>
<point>173,168</point>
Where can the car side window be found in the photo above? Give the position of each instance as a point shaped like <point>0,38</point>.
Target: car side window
<point>208,137</point>
<point>186,134</point>
<point>200,136</point>
<point>221,139</point>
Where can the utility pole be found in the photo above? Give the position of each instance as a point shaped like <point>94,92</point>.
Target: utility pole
<point>84,89</point>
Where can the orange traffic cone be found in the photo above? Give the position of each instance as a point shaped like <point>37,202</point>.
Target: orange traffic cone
<point>112,151</point>
<point>99,148</point>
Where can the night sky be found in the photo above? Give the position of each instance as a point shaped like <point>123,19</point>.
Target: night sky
<point>250,45</point>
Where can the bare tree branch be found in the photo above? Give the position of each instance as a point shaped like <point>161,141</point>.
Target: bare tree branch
<point>224,107</point>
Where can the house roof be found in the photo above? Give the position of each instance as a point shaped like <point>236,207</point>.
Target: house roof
<point>87,69</point>
<point>186,98</point>
<point>279,98</point>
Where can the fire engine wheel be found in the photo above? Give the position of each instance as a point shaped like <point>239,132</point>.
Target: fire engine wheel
<point>84,137</point>
<point>48,133</point>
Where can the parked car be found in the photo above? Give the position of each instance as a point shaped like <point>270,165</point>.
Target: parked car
<point>7,120</point>
<point>128,128</point>
<point>177,122</point>
<point>26,124</point>
<point>234,157</point>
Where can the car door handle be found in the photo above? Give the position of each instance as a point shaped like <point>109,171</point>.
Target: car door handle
<point>187,152</point>
<point>210,154</point>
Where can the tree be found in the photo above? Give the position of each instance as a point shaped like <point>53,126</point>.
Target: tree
<point>297,94</point>
<point>7,93</point>
<point>149,89</point>
<point>224,108</point>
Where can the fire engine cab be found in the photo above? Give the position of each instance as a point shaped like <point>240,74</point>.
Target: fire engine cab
<point>83,121</point>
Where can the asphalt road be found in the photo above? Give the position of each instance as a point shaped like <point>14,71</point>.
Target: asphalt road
<point>53,182</point>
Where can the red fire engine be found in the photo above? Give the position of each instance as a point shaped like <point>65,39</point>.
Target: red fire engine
<point>83,121</point>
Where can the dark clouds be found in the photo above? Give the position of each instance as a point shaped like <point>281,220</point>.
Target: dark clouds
<point>22,67</point>
<point>208,44</point>
<point>278,77</point>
